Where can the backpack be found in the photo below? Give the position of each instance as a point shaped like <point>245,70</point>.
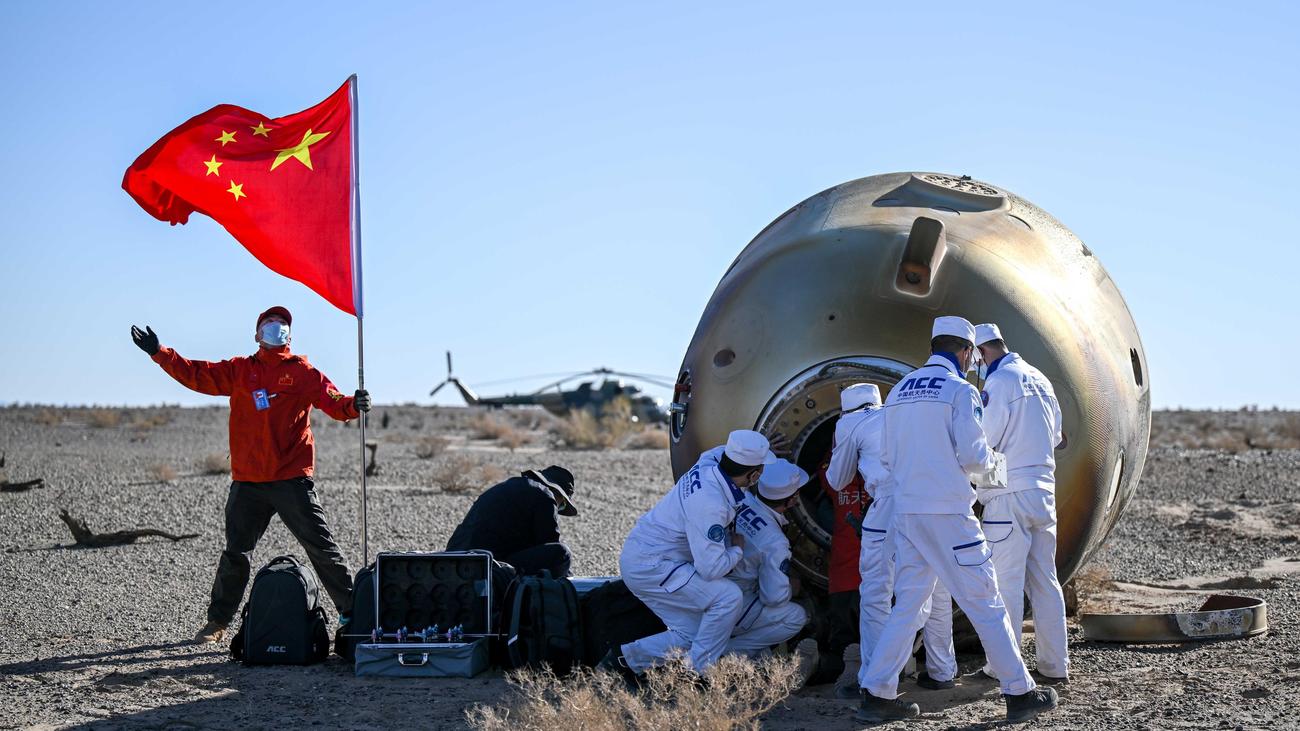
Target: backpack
<point>545,624</point>
<point>362,621</point>
<point>282,622</point>
<point>613,616</point>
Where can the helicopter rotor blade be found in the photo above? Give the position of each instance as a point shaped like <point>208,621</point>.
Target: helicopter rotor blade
<point>448,364</point>
<point>437,388</point>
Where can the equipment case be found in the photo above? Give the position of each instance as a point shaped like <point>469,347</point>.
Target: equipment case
<point>415,591</point>
<point>422,660</point>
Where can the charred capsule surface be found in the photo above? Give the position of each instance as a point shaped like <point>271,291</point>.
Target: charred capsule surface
<point>843,288</point>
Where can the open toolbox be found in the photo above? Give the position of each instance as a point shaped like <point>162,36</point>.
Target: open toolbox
<point>433,615</point>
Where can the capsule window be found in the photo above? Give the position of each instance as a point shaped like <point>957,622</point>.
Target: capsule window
<point>1137,366</point>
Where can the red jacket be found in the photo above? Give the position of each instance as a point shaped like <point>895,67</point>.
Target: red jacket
<point>846,537</point>
<point>273,443</point>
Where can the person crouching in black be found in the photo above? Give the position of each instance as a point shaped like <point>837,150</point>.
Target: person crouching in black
<point>518,521</point>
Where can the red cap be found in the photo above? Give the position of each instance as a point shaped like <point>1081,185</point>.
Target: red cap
<point>277,310</point>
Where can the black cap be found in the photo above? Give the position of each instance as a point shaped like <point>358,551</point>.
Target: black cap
<point>560,481</point>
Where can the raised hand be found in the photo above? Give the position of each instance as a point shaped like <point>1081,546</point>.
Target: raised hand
<point>145,339</point>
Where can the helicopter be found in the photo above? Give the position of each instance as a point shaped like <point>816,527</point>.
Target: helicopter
<point>587,396</point>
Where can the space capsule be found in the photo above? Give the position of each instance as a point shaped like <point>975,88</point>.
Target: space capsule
<point>843,289</point>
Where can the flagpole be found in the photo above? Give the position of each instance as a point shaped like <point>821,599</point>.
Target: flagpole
<point>358,300</point>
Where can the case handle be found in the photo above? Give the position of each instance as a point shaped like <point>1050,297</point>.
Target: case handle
<point>401,659</point>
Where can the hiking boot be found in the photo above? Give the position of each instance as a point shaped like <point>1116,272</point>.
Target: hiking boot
<point>848,691</point>
<point>1027,705</point>
<point>925,681</point>
<point>614,662</point>
<point>1049,679</point>
<point>213,632</point>
<point>882,710</point>
<point>828,670</point>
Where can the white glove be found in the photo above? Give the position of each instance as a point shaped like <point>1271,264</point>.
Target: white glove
<point>995,478</point>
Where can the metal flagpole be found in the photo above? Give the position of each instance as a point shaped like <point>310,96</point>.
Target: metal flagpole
<point>357,300</point>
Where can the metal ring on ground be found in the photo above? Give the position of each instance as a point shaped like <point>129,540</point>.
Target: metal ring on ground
<point>1222,616</point>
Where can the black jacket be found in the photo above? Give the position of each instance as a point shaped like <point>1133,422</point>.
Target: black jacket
<point>508,517</point>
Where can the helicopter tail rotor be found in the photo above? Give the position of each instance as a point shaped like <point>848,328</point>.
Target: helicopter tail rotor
<point>470,397</point>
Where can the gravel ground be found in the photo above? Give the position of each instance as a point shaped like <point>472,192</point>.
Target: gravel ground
<point>97,637</point>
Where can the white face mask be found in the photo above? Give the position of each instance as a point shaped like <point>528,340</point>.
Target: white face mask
<point>981,370</point>
<point>274,334</point>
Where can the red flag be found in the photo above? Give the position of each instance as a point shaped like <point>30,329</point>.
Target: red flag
<point>282,187</point>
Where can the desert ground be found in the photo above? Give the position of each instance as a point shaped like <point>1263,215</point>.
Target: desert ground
<point>98,637</point>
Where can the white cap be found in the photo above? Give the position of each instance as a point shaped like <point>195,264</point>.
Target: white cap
<point>748,448</point>
<point>986,332</point>
<point>859,395</point>
<point>958,327</point>
<point>780,480</point>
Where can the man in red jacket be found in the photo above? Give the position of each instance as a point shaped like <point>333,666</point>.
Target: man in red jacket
<point>272,456</point>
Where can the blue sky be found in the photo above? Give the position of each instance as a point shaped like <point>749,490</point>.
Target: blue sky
<point>556,186</point>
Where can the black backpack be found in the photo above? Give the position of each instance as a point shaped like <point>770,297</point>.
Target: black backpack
<point>613,616</point>
<point>283,622</point>
<point>545,624</point>
<point>362,622</point>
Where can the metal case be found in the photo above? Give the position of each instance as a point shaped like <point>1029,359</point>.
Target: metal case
<point>416,590</point>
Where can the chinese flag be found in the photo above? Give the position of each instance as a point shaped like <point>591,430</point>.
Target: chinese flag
<point>282,187</point>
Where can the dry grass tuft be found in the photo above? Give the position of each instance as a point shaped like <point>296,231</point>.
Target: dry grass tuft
<point>49,417</point>
<point>217,463</point>
<point>1083,590</point>
<point>614,429</point>
<point>163,472</point>
<point>652,438</point>
<point>498,429</point>
<point>431,446</point>
<point>103,418</point>
<point>737,695</point>
<point>460,472</point>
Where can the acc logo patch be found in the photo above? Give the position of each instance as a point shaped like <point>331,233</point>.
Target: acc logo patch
<point>717,533</point>
<point>984,397</point>
<point>785,566</point>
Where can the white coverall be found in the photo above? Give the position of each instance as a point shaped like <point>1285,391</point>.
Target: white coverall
<point>676,560</point>
<point>1023,421</point>
<point>857,449</point>
<point>932,439</point>
<point>763,575</point>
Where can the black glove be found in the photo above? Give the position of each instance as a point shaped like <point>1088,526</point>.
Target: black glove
<point>145,339</point>
<point>362,399</point>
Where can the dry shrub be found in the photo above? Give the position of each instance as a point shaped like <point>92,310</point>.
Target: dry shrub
<point>648,439</point>
<point>103,418</point>
<point>151,418</point>
<point>431,446</point>
<point>582,430</point>
<point>216,463</point>
<point>461,472</point>
<point>493,427</point>
<point>163,472</point>
<point>49,417</point>
<point>738,693</point>
<point>1083,590</point>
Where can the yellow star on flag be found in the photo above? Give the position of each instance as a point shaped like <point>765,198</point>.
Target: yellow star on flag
<point>214,167</point>
<point>237,190</point>
<point>261,130</point>
<point>225,137</point>
<point>300,151</point>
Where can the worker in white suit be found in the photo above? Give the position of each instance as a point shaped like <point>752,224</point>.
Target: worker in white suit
<point>933,443</point>
<point>769,616</point>
<point>857,449</point>
<point>1022,420</point>
<point>677,557</point>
